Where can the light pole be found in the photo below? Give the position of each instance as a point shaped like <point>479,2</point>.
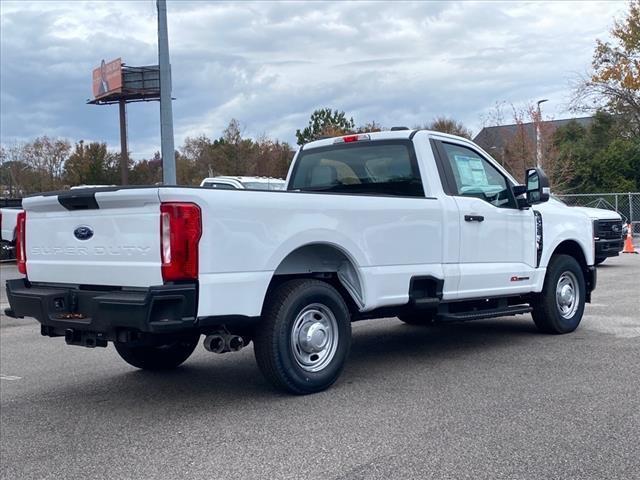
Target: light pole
<point>538,142</point>
<point>166,112</point>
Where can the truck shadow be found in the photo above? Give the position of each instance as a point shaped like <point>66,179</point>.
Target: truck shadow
<point>221,383</point>
<point>378,349</point>
<point>429,342</point>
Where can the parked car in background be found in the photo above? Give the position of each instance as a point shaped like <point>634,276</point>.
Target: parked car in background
<point>8,224</point>
<point>242,183</point>
<point>609,229</point>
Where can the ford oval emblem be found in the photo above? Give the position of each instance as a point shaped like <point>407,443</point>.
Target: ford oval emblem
<point>83,232</point>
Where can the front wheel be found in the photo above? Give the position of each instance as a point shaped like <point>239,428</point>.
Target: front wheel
<point>304,336</point>
<point>159,357</point>
<point>559,308</point>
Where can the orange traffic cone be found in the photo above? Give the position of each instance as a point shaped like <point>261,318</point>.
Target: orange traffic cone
<point>628,243</point>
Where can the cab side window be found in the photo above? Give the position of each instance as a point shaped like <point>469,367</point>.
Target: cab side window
<point>476,177</point>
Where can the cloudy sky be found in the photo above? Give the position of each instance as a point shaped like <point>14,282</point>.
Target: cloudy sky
<point>271,64</point>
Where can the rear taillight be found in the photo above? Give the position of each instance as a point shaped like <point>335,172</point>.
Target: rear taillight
<point>21,247</point>
<point>180,231</point>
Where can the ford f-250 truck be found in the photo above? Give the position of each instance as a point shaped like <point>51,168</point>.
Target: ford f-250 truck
<point>409,223</point>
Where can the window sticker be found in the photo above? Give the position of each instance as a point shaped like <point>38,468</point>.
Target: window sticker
<point>471,170</point>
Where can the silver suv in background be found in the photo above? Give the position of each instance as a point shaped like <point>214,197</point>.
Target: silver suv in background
<point>242,183</point>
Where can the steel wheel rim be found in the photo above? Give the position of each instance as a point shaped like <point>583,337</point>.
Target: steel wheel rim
<point>567,295</point>
<point>314,337</point>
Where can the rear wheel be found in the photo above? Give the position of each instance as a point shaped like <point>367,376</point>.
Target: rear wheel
<point>159,357</point>
<point>559,308</point>
<point>304,336</point>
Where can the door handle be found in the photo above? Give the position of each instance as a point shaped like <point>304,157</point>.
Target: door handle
<point>473,218</point>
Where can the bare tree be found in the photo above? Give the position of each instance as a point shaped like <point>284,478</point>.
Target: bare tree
<point>448,125</point>
<point>613,84</point>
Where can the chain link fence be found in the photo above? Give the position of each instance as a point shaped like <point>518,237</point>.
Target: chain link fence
<point>626,204</point>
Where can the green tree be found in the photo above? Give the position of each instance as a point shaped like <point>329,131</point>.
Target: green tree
<point>91,164</point>
<point>325,122</point>
<point>146,172</point>
<point>602,159</point>
<point>233,154</point>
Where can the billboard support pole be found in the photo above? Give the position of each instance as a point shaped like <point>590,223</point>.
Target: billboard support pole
<point>124,152</point>
<point>166,111</point>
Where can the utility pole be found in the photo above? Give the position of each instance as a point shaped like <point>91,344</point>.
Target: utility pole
<point>166,112</point>
<point>538,133</point>
<point>124,152</point>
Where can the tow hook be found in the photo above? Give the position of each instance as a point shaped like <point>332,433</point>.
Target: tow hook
<point>224,342</point>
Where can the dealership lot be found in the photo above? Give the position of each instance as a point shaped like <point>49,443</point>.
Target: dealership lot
<point>486,399</point>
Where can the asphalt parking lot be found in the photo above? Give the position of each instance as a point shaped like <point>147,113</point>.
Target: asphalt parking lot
<point>485,399</point>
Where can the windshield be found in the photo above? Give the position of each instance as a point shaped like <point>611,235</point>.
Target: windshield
<point>381,167</point>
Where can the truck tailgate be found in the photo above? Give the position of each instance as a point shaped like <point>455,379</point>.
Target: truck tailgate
<point>94,238</point>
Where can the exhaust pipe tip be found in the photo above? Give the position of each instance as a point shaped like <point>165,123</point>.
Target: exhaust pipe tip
<point>214,343</point>
<point>236,342</point>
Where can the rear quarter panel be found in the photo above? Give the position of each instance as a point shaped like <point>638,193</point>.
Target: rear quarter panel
<point>246,234</point>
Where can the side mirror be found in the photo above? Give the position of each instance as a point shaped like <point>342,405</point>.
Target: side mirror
<point>537,186</point>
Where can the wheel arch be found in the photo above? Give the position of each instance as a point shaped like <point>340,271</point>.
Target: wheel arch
<point>323,260</point>
<point>575,250</point>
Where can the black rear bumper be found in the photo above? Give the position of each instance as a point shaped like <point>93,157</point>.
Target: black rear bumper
<point>93,317</point>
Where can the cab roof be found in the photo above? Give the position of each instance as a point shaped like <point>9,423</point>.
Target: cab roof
<point>384,135</point>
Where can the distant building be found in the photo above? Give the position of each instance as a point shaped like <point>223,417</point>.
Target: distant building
<point>497,138</point>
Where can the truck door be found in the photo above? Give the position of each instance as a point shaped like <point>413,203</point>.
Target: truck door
<point>497,239</point>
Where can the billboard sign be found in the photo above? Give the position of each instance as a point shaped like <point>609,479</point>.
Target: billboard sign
<point>107,78</point>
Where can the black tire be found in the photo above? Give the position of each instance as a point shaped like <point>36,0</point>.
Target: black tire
<point>417,318</point>
<point>599,260</point>
<point>159,357</point>
<point>546,310</point>
<point>274,339</point>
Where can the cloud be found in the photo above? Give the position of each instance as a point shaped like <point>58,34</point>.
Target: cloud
<point>271,64</point>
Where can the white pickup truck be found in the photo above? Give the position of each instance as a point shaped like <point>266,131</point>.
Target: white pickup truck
<point>8,222</point>
<point>409,223</point>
